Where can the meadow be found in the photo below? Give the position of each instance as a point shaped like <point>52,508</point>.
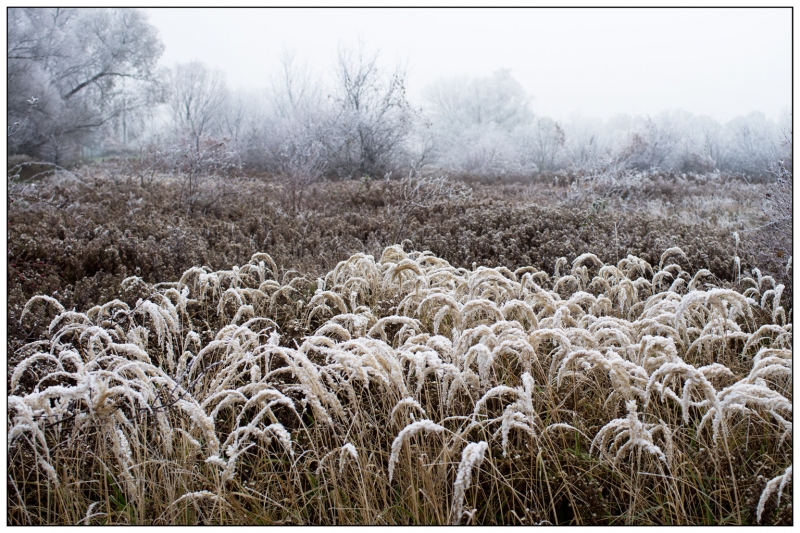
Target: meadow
<point>570,349</point>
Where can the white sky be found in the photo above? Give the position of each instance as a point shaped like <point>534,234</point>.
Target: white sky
<point>721,62</point>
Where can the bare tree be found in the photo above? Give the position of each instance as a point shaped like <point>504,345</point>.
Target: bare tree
<point>779,204</point>
<point>711,143</point>
<point>585,145</point>
<point>297,143</point>
<point>547,143</point>
<point>374,118</point>
<point>301,163</point>
<point>195,96</point>
<point>652,145</point>
<point>294,93</point>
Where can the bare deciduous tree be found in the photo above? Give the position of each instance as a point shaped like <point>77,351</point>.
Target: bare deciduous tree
<point>546,143</point>
<point>195,96</point>
<point>373,117</point>
<point>294,92</point>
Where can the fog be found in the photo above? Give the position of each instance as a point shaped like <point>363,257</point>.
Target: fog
<point>596,62</point>
<point>347,93</point>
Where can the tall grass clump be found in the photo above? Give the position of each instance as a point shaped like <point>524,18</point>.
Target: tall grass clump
<point>404,390</point>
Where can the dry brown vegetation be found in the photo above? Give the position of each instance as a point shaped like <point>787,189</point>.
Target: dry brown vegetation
<point>566,352</point>
<point>77,236</point>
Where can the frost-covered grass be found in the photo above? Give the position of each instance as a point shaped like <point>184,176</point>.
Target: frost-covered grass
<point>417,392</point>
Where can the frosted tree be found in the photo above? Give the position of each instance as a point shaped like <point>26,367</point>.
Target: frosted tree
<point>463,102</point>
<point>294,93</point>
<point>195,98</point>
<point>547,143</point>
<point>72,63</point>
<point>652,143</point>
<point>586,145</point>
<point>481,125</point>
<point>297,137</point>
<point>711,142</point>
<point>754,142</point>
<point>373,116</point>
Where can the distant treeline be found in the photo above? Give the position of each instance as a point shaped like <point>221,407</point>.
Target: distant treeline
<point>83,83</point>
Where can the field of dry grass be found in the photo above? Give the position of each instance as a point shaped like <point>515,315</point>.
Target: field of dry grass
<point>396,352</point>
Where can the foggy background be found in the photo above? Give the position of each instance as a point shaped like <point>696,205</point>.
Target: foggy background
<point>313,93</point>
<point>596,62</point>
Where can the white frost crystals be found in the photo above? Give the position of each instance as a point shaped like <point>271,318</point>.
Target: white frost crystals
<point>778,482</point>
<point>471,457</point>
<point>629,434</point>
<point>388,370</point>
<point>408,432</point>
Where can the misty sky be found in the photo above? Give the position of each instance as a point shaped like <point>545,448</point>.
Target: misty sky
<point>596,62</point>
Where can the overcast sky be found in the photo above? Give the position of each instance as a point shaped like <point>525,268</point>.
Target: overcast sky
<point>721,62</point>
